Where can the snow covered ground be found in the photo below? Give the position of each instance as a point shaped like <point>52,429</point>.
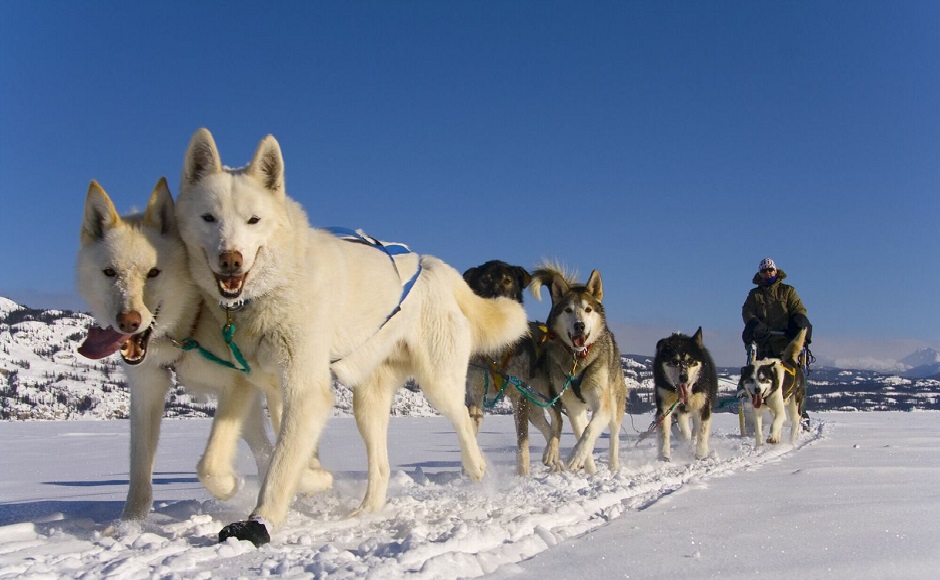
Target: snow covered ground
<point>857,497</point>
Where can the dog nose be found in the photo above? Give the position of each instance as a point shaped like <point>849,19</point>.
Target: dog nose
<point>579,327</point>
<point>230,262</point>
<point>129,322</point>
<point>684,377</point>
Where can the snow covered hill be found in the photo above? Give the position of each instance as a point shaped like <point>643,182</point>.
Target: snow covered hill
<point>43,377</point>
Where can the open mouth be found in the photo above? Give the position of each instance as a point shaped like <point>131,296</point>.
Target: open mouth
<point>231,286</point>
<point>103,342</point>
<point>134,349</point>
<point>578,341</point>
<point>757,401</point>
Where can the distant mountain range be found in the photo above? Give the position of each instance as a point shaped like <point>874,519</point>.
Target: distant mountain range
<point>43,377</point>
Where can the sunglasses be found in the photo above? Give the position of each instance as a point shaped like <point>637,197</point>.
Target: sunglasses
<point>768,271</point>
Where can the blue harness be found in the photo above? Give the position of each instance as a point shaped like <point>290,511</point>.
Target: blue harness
<point>391,250</point>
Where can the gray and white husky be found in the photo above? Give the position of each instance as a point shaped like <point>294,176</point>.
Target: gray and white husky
<point>686,386</point>
<point>308,306</point>
<point>777,384</point>
<point>582,362</point>
<point>132,272</point>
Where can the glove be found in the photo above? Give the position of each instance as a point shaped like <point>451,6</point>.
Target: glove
<point>797,323</point>
<point>753,330</point>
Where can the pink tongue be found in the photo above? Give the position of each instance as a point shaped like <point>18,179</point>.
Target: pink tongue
<point>757,401</point>
<point>578,341</point>
<point>101,342</point>
<point>683,392</point>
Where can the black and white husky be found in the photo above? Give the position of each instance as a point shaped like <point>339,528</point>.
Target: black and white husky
<point>779,385</point>
<point>686,386</point>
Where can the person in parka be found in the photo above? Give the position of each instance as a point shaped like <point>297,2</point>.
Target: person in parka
<point>773,312</point>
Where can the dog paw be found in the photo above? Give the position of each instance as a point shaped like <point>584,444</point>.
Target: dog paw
<point>665,458</point>
<point>221,485</point>
<point>551,456</point>
<point>773,440</point>
<point>314,481</point>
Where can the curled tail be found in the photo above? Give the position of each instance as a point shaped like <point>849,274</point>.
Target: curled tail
<point>550,273</point>
<point>495,323</point>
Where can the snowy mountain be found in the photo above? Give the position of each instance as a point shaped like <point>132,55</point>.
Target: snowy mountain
<point>43,377</point>
<point>923,363</point>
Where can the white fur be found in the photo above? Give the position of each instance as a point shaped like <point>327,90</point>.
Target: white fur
<point>316,307</point>
<point>147,274</point>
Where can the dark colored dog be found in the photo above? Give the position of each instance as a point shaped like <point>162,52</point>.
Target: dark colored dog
<point>686,385</point>
<point>487,377</point>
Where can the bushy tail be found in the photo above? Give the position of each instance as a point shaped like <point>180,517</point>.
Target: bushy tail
<point>495,323</point>
<point>792,353</point>
<point>547,273</point>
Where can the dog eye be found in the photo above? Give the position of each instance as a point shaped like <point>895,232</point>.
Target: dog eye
<point>588,309</point>
<point>208,218</point>
<point>153,273</point>
<point>569,310</point>
<point>253,220</point>
<point>109,272</point>
<point>507,280</point>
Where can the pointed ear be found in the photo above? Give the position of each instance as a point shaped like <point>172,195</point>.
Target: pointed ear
<point>201,159</point>
<point>523,276</point>
<point>660,343</point>
<point>160,214</point>
<point>698,337</point>
<point>100,214</point>
<point>268,165</point>
<point>594,285</point>
<point>558,289</point>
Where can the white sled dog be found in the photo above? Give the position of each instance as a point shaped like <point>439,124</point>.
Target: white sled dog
<point>582,362</point>
<point>778,384</point>
<point>306,304</point>
<point>132,272</point>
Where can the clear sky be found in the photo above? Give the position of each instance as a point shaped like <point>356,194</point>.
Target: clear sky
<point>670,145</point>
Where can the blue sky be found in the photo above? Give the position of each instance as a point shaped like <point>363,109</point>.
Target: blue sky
<point>670,145</point>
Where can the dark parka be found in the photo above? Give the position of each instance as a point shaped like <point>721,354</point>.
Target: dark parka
<point>772,307</point>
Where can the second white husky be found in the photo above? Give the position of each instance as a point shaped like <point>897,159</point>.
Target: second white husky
<point>306,304</point>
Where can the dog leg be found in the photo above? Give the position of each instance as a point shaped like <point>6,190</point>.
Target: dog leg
<point>475,397</point>
<point>776,426</point>
<point>372,403</point>
<point>703,431</point>
<point>551,457</point>
<point>148,387</point>
<point>614,427</point>
<point>581,456</point>
<point>682,420</point>
<point>759,427</point>
<point>442,387</point>
<point>665,432</point>
<point>794,412</point>
<point>308,401</point>
<point>215,466</point>
<point>521,415</point>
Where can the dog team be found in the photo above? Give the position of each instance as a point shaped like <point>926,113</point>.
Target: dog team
<point>230,289</point>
